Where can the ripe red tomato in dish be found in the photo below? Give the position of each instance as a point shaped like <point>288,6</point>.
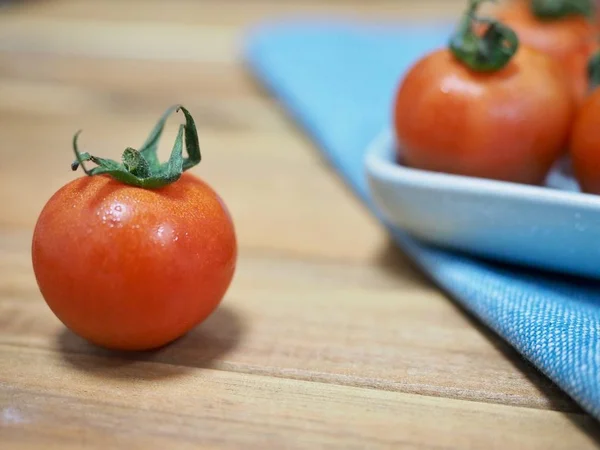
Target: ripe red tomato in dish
<point>565,30</point>
<point>585,144</point>
<point>484,107</point>
<point>135,264</point>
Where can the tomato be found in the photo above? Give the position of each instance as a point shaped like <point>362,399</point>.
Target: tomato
<point>570,39</point>
<point>506,121</point>
<point>134,268</point>
<point>585,144</point>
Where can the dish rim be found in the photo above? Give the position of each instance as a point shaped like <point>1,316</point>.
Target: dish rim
<point>378,163</point>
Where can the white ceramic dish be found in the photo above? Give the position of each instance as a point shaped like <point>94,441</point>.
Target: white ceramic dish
<point>553,227</point>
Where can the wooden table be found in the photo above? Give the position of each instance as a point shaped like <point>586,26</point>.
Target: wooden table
<point>328,337</point>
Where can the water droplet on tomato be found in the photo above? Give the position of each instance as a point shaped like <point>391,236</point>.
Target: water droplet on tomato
<point>165,234</point>
<point>114,215</point>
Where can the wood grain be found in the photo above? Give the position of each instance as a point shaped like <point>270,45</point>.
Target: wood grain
<point>236,13</point>
<point>89,400</point>
<point>328,337</point>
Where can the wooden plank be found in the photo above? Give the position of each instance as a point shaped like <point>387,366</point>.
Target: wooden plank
<point>34,98</point>
<point>87,400</point>
<point>139,41</point>
<point>276,321</point>
<point>118,77</point>
<point>242,12</point>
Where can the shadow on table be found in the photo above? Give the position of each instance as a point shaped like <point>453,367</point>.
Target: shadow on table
<point>203,347</point>
<point>395,260</point>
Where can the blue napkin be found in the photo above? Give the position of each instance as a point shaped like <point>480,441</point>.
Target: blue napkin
<point>336,79</point>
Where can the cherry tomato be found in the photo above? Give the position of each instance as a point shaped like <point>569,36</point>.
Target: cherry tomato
<point>130,267</point>
<point>569,39</point>
<point>585,144</point>
<point>458,111</point>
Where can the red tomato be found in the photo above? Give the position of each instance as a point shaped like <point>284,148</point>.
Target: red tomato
<point>131,268</point>
<point>585,144</point>
<point>509,124</point>
<point>570,39</point>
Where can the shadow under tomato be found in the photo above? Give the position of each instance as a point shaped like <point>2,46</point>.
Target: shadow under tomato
<point>202,347</point>
<point>395,260</point>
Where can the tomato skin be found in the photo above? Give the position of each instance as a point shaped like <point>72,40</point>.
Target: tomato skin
<point>507,125</point>
<point>130,268</point>
<point>570,40</point>
<point>585,144</point>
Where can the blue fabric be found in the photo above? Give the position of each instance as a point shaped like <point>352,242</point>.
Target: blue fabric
<point>337,80</point>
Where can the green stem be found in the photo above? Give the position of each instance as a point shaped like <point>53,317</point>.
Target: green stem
<point>486,53</point>
<point>593,70</point>
<point>141,167</point>
<point>557,9</point>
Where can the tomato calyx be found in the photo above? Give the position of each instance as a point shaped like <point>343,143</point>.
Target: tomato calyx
<point>141,167</point>
<point>488,52</point>
<point>557,9</point>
